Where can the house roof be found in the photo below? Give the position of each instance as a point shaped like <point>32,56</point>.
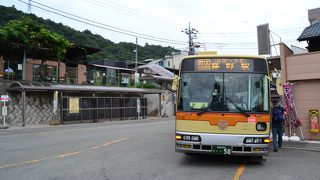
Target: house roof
<point>310,32</point>
<point>156,69</point>
<point>37,86</point>
<point>113,67</point>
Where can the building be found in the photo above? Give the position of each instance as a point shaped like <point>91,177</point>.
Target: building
<point>173,61</point>
<point>71,70</point>
<point>314,15</point>
<point>110,73</point>
<point>44,92</point>
<point>303,71</point>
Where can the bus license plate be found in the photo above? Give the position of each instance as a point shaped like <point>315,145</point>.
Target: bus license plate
<point>225,150</point>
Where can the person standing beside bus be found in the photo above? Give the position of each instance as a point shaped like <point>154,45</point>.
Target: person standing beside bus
<point>277,126</point>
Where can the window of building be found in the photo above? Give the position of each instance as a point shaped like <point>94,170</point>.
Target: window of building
<point>45,73</point>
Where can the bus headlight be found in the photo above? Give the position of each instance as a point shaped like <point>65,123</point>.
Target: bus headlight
<point>261,126</point>
<point>194,138</point>
<point>254,140</point>
<point>186,138</point>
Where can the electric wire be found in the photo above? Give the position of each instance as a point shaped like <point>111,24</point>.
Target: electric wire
<point>130,11</point>
<point>244,45</point>
<point>104,26</point>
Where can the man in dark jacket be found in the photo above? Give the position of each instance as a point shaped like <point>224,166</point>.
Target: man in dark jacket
<point>277,126</point>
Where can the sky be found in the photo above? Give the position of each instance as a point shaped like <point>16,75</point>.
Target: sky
<point>226,26</point>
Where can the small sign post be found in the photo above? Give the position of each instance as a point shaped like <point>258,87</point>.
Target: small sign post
<point>138,107</point>
<point>4,99</point>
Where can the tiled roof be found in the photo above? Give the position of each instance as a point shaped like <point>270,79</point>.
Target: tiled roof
<point>310,32</point>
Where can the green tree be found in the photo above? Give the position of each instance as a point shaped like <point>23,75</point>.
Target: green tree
<point>109,49</point>
<point>20,35</point>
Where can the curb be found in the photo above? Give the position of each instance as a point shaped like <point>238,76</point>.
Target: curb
<point>304,149</point>
<point>150,118</point>
<point>4,127</point>
<point>302,145</point>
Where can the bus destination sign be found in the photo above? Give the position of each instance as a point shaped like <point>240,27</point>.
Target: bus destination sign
<point>233,65</point>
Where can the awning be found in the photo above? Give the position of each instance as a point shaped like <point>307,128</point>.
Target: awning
<point>112,67</point>
<point>156,69</point>
<point>37,86</point>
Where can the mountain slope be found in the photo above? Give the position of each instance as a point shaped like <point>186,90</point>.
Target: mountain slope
<point>109,49</point>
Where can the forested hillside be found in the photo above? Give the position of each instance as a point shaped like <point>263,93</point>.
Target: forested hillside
<point>109,49</point>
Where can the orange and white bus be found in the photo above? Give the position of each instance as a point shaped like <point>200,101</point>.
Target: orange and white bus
<point>223,105</point>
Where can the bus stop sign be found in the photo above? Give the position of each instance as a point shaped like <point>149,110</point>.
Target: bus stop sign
<point>4,98</point>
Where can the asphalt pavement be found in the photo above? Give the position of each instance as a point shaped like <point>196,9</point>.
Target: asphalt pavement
<point>136,149</point>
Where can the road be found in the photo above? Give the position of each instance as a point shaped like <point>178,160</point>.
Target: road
<point>136,149</point>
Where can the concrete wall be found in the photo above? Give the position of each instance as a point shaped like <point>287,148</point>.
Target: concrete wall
<point>307,96</point>
<point>303,66</point>
<point>38,109</point>
<point>167,104</point>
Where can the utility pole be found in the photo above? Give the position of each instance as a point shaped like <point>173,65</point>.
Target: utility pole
<point>192,34</point>
<point>136,64</point>
<point>29,6</point>
<point>24,61</point>
<point>136,54</point>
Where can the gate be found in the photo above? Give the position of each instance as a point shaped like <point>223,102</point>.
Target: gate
<point>93,109</point>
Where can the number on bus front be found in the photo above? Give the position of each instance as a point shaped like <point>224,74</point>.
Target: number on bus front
<point>227,151</point>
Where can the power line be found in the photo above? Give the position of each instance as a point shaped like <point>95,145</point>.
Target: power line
<point>130,11</point>
<point>104,26</point>
<point>108,25</point>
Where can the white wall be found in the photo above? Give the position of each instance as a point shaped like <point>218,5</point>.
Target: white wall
<point>167,104</point>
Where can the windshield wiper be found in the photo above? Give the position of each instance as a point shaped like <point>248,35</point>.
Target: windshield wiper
<point>236,106</point>
<point>209,106</point>
<point>203,111</point>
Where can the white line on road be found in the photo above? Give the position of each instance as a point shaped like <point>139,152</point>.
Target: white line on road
<point>61,156</point>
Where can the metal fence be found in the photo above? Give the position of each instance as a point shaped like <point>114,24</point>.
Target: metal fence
<point>102,108</point>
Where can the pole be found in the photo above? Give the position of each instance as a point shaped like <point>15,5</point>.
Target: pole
<point>190,41</point>
<point>23,108</point>
<point>159,108</point>
<point>61,107</point>
<point>4,116</point>
<point>136,63</point>
<point>192,34</point>
<point>136,54</point>
<point>24,65</point>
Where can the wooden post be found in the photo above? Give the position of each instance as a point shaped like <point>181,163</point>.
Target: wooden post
<point>61,107</point>
<point>23,108</point>
<point>159,108</point>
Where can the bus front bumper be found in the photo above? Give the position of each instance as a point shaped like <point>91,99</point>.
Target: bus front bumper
<point>224,144</point>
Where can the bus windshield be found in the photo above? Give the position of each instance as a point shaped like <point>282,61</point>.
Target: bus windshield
<point>224,92</point>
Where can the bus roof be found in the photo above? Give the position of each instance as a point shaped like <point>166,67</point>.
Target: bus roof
<point>226,56</point>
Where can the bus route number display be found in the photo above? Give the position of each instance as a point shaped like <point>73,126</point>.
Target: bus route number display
<point>233,65</point>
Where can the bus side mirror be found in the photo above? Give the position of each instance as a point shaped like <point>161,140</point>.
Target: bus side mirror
<point>175,82</point>
<point>269,78</point>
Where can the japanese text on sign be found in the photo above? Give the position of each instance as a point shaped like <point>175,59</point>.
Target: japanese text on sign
<point>223,64</point>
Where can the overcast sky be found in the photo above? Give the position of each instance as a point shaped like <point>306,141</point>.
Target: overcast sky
<point>227,26</point>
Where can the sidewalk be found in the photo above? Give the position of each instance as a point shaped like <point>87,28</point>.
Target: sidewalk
<point>149,118</point>
<point>302,145</point>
